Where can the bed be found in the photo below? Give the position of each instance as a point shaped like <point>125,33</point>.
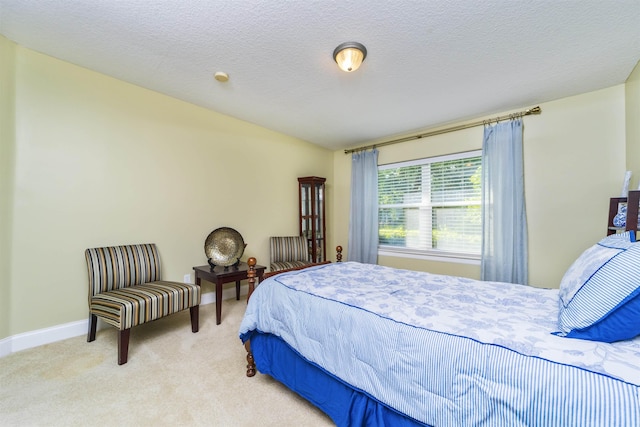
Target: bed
<point>373,345</point>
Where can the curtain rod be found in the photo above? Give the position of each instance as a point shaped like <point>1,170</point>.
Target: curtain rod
<point>534,110</point>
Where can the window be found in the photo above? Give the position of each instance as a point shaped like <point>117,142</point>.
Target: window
<point>431,206</point>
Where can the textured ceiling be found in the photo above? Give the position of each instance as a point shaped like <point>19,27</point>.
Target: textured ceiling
<point>429,62</point>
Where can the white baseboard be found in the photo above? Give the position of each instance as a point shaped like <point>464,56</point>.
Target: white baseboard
<point>5,347</point>
<point>48,335</point>
<point>44,336</point>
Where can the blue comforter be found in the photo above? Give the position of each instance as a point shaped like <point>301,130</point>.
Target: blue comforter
<point>449,351</point>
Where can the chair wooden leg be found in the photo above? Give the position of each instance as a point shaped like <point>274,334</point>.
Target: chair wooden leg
<point>123,346</point>
<point>93,320</point>
<point>195,318</point>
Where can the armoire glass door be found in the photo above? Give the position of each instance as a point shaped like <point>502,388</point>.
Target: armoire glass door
<point>312,216</point>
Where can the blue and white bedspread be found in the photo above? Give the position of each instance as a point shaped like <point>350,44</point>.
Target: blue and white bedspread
<point>449,351</point>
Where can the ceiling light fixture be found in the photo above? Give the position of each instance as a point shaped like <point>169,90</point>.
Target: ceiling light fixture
<point>349,55</point>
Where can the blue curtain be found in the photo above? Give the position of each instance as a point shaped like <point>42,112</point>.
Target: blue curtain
<point>363,219</point>
<point>504,222</point>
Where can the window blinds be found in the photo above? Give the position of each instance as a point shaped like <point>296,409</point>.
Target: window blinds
<point>431,205</point>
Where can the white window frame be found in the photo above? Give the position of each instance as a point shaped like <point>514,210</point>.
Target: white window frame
<point>430,254</point>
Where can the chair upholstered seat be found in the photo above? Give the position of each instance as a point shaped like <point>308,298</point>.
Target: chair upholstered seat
<point>126,290</point>
<point>127,307</point>
<point>288,252</point>
<point>285,265</point>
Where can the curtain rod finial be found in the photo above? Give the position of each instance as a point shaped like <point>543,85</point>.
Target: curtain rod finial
<point>534,110</point>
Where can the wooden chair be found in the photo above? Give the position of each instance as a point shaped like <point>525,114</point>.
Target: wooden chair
<point>125,290</point>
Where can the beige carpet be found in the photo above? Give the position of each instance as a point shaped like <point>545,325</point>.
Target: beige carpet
<point>173,378</point>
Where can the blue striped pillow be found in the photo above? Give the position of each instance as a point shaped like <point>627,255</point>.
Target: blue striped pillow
<point>600,293</point>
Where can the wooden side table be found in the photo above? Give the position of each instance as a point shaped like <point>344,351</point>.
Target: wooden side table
<point>219,275</point>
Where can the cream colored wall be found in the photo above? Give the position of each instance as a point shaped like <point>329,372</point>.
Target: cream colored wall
<point>632,110</point>
<point>102,162</point>
<point>574,160</point>
<point>7,140</point>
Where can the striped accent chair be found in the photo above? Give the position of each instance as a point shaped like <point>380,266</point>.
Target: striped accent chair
<point>125,290</point>
<point>288,252</point>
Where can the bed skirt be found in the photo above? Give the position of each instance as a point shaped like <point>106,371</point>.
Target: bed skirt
<point>345,405</point>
